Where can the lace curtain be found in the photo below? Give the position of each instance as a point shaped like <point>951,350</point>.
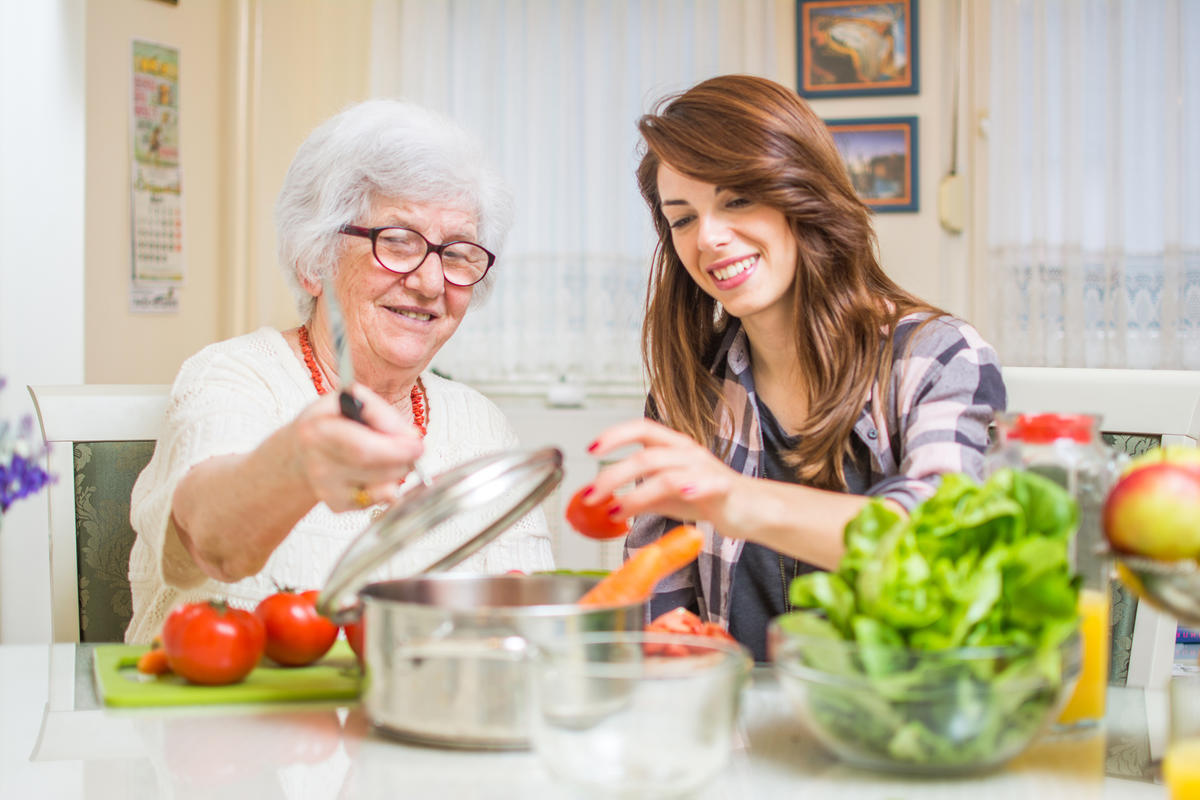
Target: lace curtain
<point>554,87</point>
<point>1094,183</point>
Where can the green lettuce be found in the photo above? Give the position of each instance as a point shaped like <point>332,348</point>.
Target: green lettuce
<point>973,566</point>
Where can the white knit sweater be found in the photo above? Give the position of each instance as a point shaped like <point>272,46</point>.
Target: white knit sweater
<point>227,399</point>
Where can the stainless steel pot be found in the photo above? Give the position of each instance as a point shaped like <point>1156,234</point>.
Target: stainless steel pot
<point>448,656</point>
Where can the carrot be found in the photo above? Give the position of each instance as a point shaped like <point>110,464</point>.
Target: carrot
<point>154,660</point>
<point>637,577</point>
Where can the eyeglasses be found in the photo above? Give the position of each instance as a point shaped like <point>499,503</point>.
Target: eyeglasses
<point>402,250</point>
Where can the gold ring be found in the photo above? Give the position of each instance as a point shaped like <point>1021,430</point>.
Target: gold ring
<point>361,498</point>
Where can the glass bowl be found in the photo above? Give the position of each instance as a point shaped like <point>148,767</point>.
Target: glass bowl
<point>634,714</point>
<point>946,712</point>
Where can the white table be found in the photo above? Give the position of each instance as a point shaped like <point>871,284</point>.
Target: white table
<point>56,741</point>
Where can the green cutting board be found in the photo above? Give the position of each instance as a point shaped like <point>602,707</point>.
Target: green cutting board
<point>334,677</point>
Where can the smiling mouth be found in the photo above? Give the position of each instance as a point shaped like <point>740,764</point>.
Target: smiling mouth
<point>419,316</point>
<point>736,268</point>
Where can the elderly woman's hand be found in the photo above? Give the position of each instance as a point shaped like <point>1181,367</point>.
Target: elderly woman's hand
<point>678,478</point>
<point>349,465</point>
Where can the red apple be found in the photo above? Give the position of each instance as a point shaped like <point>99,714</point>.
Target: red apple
<point>1155,511</point>
<point>1177,454</point>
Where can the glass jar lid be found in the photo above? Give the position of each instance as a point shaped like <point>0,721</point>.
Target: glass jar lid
<point>488,493</point>
<point>1045,428</point>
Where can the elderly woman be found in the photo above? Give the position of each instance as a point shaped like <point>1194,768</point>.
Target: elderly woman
<point>258,479</point>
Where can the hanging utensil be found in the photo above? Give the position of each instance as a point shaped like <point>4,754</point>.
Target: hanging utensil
<point>350,405</point>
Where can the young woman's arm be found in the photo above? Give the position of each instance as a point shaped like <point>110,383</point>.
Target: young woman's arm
<point>946,389</point>
<point>677,478</point>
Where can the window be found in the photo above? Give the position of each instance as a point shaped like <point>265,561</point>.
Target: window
<point>554,87</point>
<point>1094,183</point>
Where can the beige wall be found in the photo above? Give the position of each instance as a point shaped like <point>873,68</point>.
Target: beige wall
<point>255,77</point>
<point>121,347</point>
<point>41,262</point>
<point>915,250</point>
<point>310,61</point>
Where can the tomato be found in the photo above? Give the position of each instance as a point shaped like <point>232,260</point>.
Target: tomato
<point>212,643</point>
<point>681,621</point>
<point>677,620</point>
<point>715,631</point>
<point>297,634</point>
<point>354,635</point>
<point>153,662</point>
<point>594,521</point>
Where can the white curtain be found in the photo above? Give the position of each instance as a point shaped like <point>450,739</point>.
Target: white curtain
<point>555,87</point>
<point>1094,182</point>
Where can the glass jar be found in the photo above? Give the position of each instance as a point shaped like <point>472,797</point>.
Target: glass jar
<point>1068,449</point>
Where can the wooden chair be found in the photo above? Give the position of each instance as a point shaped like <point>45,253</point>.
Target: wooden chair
<point>100,437</point>
<point>1140,410</point>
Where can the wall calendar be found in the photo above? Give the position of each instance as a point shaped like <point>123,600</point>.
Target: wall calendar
<point>156,186</point>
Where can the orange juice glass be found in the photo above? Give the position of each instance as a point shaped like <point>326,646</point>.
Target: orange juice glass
<point>1181,769</point>
<point>1086,706</point>
<point>1181,764</point>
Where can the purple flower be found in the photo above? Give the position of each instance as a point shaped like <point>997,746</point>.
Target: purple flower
<point>20,478</point>
<point>20,473</point>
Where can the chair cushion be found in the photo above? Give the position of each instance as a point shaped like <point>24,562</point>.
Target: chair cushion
<point>104,476</point>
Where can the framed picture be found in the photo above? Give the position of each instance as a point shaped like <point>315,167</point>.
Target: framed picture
<point>852,48</point>
<point>880,154</point>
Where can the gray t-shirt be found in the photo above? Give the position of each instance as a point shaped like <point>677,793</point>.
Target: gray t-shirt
<point>762,577</point>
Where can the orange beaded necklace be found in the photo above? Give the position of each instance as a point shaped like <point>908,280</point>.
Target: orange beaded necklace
<point>417,396</point>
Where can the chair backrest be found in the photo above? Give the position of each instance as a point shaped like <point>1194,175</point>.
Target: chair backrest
<point>1140,410</point>
<point>100,436</point>
<point>1149,402</point>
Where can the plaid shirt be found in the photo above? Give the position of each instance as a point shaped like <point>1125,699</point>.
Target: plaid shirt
<point>945,389</point>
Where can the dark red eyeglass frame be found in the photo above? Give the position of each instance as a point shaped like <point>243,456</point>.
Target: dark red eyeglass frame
<point>373,235</point>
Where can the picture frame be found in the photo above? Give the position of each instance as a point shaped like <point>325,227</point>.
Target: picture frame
<point>880,154</point>
<point>857,48</point>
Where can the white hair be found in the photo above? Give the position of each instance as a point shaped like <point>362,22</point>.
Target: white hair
<point>375,150</point>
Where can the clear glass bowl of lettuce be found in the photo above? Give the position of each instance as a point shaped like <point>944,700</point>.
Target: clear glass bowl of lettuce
<point>946,640</point>
<point>944,712</point>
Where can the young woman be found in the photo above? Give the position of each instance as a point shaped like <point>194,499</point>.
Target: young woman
<point>790,379</point>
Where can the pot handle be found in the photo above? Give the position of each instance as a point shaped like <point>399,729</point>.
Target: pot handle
<point>343,614</point>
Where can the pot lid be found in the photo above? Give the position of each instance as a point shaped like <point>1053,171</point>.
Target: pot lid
<point>489,494</point>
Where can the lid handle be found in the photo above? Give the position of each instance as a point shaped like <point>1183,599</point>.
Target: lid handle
<point>484,484</point>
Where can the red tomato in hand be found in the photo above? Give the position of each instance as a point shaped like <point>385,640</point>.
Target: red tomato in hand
<point>354,635</point>
<point>212,643</point>
<point>296,633</point>
<point>594,521</point>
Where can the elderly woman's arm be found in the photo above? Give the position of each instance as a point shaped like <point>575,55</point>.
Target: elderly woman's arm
<point>230,512</point>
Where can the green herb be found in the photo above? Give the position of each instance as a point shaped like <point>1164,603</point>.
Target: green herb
<point>973,566</point>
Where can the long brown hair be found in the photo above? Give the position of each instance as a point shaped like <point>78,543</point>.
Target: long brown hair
<point>761,141</point>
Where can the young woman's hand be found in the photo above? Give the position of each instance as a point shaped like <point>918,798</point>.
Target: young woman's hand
<point>674,476</point>
<point>682,480</point>
<point>349,465</point>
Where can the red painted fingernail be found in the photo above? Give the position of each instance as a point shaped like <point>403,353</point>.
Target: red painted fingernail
<point>588,491</point>
<point>613,510</point>
<point>592,447</point>
<point>688,491</point>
